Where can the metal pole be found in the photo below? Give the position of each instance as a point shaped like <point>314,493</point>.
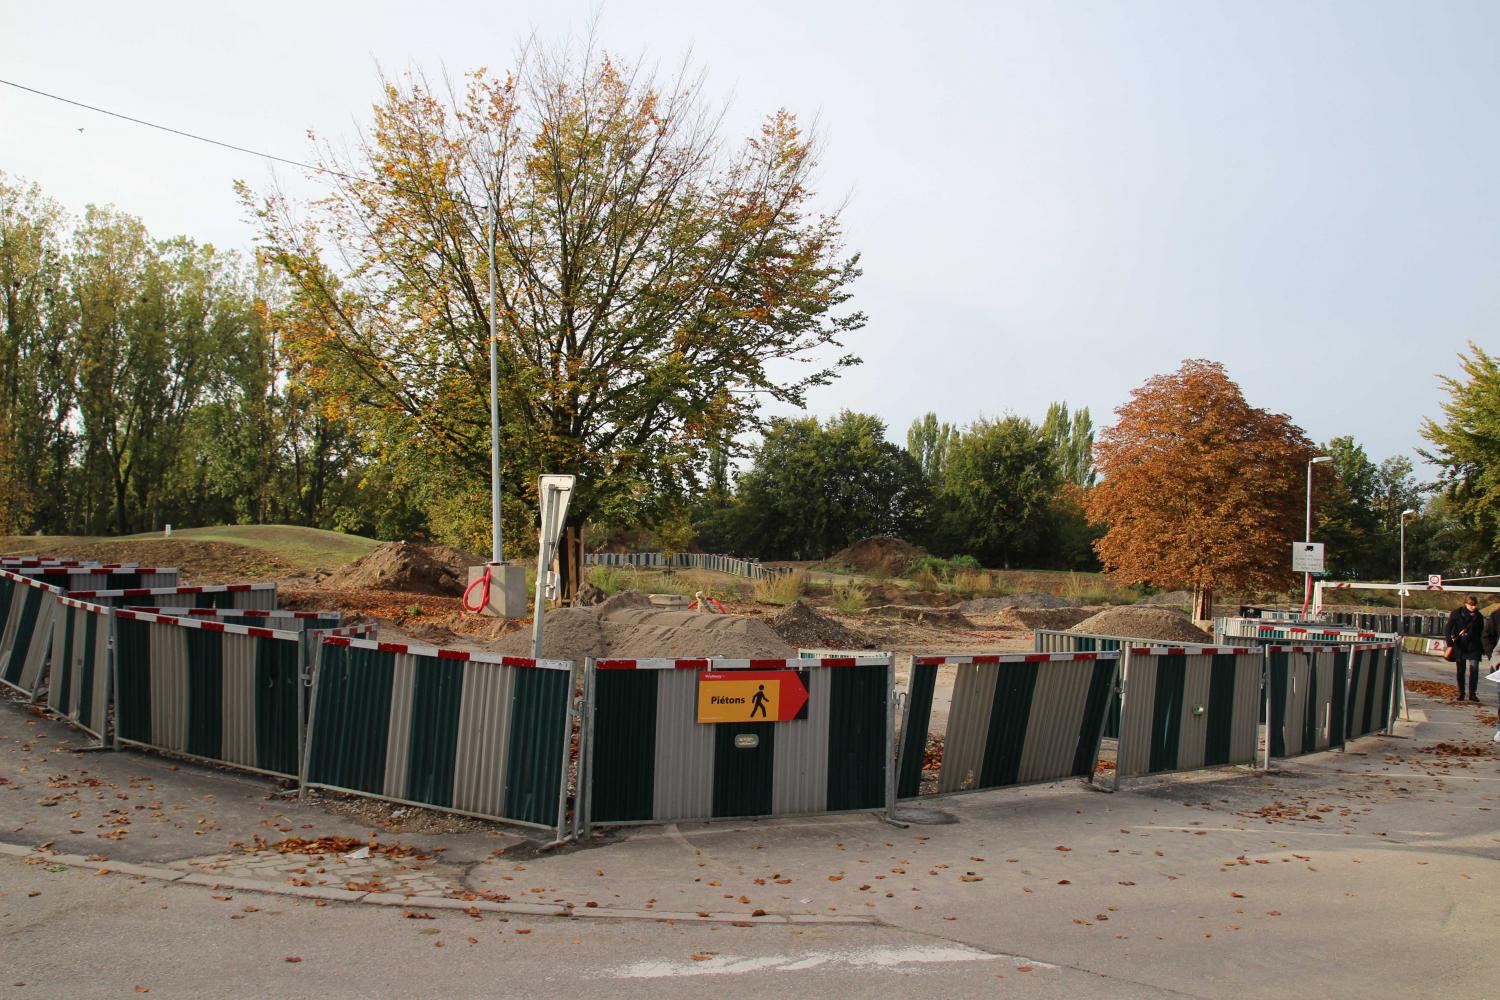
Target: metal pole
<point>1401,578</point>
<point>543,560</point>
<point>1307,537</point>
<point>497,538</point>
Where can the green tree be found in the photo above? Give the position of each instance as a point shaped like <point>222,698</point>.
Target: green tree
<point>1072,440</point>
<point>998,487</point>
<point>815,488</point>
<point>930,443</point>
<point>1466,445</point>
<point>656,287</point>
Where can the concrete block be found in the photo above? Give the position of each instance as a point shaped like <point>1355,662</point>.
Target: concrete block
<point>671,601</point>
<point>508,597</point>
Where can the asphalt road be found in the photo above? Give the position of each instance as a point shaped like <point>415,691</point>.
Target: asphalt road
<point>1365,873</point>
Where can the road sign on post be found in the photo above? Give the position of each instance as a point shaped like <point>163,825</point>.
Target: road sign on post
<point>554,493</point>
<point>1307,557</point>
<point>751,696</point>
<point>1435,581</point>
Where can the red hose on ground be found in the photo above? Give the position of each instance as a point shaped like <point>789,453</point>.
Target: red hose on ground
<point>484,594</point>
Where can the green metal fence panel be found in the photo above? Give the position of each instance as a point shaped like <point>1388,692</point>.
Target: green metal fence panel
<point>1184,708</point>
<point>78,688</point>
<point>26,639</point>
<point>231,595</point>
<point>1374,677</point>
<point>471,733</point>
<point>219,692</point>
<point>1307,685</point>
<point>91,578</point>
<point>649,759</point>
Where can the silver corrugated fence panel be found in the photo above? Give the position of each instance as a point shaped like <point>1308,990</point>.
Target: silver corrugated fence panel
<point>260,596</point>
<point>28,607</point>
<point>650,759</point>
<point>1188,707</point>
<point>285,621</point>
<point>1307,700</point>
<point>471,733</point>
<point>1374,689</point>
<point>78,682</point>
<point>92,577</point>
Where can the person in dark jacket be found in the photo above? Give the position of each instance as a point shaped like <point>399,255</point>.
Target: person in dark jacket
<point>1466,637</point>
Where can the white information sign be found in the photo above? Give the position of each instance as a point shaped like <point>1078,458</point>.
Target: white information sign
<point>1307,557</point>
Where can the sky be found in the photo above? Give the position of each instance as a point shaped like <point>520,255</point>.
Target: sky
<point>1053,200</point>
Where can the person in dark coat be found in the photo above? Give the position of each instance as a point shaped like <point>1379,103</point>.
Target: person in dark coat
<point>1466,637</point>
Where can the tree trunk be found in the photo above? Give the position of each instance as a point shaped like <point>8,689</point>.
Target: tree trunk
<point>569,562</point>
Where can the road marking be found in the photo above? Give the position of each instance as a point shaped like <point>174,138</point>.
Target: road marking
<point>857,958</point>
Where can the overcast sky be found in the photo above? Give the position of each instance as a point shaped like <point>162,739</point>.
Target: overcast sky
<point>1054,200</point>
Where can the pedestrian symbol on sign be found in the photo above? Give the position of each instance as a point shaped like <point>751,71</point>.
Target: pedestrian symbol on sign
<point>758,703</point>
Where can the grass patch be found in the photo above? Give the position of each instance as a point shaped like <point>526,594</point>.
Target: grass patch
<point>783,589</point>
<point>304,549</point>
<point>850,598</point>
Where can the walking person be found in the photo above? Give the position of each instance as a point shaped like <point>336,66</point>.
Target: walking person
<point>1466,639</point>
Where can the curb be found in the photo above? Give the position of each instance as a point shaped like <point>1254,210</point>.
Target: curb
<point>160,874</point>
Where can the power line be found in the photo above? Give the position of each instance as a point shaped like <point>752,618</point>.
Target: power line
<point>184,134</point>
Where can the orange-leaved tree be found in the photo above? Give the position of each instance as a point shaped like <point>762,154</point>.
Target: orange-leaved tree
<point>1199,489</point>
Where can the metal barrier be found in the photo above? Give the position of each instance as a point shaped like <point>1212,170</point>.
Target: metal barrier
<point>471,733</point>
<point>27,609</point>
<point>1226,629</point>
<point>1375,681</point>
<point>686,560</point>
<point>230,595</point>
<point>287,621</point>
<point>1183,708</point>
<point>1305,698</point>
<point>79,578</point>
<point>1016,718</point>
<point>78,685</point>
<point>650,759</point>
<point>218,692</point>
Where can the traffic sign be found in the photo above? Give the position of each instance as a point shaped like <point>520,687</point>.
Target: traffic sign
<point>751,696</point>
<point>1307,557</point>
<point>1434,581</point>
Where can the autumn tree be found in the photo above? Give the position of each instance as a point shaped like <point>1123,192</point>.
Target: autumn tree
<point>1466,445</point>
<point>1198,488</point>
<point>656,285</point>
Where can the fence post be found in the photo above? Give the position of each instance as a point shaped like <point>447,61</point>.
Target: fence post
<point>585,808</point>
<point>1124,676</point>
<point>890,734</point>
<point>567,752</point>
<point>311,722</point>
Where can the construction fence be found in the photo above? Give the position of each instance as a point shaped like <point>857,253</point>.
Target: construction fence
<point>749,568</point>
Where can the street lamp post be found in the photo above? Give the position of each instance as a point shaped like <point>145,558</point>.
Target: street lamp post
<point>1401,593</point>
<point>497,538</point>
<point>1307,533</point>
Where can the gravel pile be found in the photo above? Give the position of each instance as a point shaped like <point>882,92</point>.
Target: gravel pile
<point>1143,623</point>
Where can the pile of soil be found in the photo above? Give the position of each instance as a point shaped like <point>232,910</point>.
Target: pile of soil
<point>947,617</point>
<point>882,554</point>
<point>800,625</point>
<point>914,598</point>
<point>413,567</point>
<point>627,626</point>
<point>1168,599</point>
<point>1028,599</point>
<point>1055,619</point>
<point>1143,623</point>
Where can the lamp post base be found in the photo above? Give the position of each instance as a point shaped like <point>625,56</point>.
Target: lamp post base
<point>507,590</point>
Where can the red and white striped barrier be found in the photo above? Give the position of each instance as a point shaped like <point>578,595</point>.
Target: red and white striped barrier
<point>216,612</point>
<point>718,663</point>
<point>113,570</point>
<point>206,626</point>
<point>434,652</point>
<point>30,581</point>
<point>937,660</point>
<point>220,588</point>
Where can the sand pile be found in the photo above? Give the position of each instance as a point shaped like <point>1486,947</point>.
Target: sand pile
<point>800,625</point>
<point>1027,599</point>
<point>948,617</point>
<point>882,554</point>
<point>1054,619</point>
<point>627,626</point>
<point>1143,623</point>
<point>412,567</point>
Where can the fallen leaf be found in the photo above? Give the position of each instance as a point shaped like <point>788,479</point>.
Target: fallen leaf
<point>293,959</point>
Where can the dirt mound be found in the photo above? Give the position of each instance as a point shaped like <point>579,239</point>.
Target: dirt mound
<point>1055,619</point>
<point>200,562</point>
<point>882,554</point>
<point>623,627</point>
<point>1143,623</point>
<point>1027,599</point>
<point>947,617</point>
<point>915,598</point>
<point>1167,599</point>
<point>800,625</point>
<point>412,567</point>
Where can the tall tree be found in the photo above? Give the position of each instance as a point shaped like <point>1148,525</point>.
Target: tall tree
<point>1467,445</point>
<point>1072,439</point>
<point>652,286</point>
<point>994,503</point>
<point>815,488</point>
<point>930,443</point>
<point>1198,488</point>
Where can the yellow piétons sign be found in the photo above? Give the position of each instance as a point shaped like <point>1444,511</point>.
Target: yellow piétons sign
<point>750,696</point>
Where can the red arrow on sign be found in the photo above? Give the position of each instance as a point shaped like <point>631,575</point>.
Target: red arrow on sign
<point>791,692</point>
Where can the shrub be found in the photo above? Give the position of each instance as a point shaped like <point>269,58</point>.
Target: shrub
<point>784,588</point>
<point>850,598</point>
